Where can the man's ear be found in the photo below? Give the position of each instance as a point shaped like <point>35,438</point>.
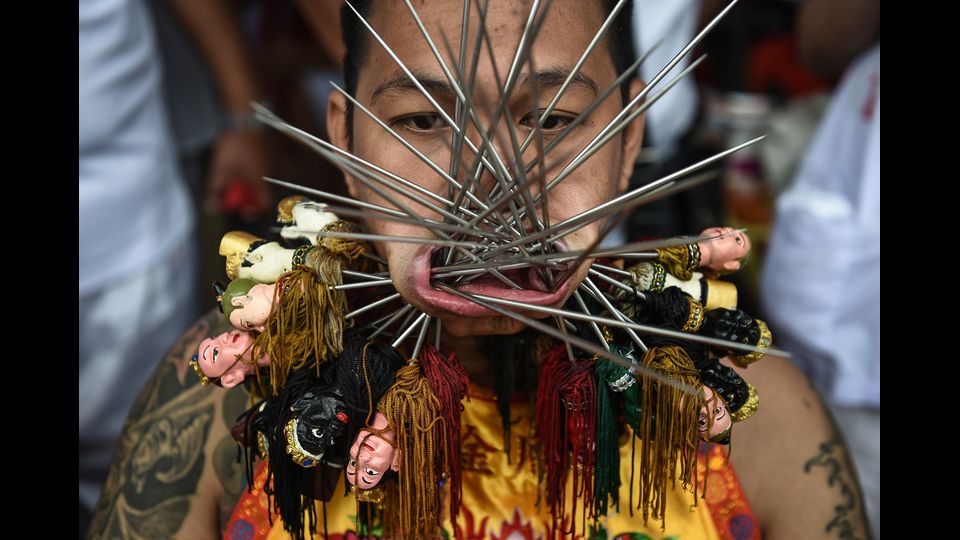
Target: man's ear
<point>632,139</point>
<point>337,119</point>
<point>396,461</point>
<point>238,301</point>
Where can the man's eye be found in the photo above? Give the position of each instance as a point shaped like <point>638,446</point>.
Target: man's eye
<point>370,472</point>
<point>554,122</point>
<point>316,433</point>
<point>422,122</point>
<point>216,352</point>
<point>353,463</point>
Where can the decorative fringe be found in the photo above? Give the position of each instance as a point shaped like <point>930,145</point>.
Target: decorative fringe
<point>505,359</point>
<point>667,429</point>
<point>364,373</point>
<point>449,382</point>
<point>295,333</point>
<point>606,482</point>
<point>289,481</point>
<point>412,502</point>
<point>566,430</point>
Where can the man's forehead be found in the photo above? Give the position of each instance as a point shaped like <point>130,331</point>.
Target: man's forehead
<point>563,36</point>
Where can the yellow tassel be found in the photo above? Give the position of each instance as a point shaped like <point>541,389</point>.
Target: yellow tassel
<point>412,505</point>
<point>668,429</point>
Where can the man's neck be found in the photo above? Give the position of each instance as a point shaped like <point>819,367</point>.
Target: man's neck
<point>471,353</point>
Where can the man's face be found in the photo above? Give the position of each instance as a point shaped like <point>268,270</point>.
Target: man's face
<point>252,310</point>
<point>218,354</point>
<point>384,90</point>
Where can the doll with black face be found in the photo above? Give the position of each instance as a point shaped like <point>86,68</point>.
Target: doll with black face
<point>318,421</point>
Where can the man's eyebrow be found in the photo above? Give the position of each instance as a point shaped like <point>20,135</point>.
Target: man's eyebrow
<point>554,77</point>
<point>401,83</point>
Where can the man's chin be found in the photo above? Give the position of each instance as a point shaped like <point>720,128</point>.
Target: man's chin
<point>459,326</point>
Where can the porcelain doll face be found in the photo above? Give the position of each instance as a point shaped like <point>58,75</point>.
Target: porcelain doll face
<point>218,355</point>
<point>372,455</point>
<point>714,417</point>
<point>266,262</point>
<point>252,310</point>
<point>725,253</point>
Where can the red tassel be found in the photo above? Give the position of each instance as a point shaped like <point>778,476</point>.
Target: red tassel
<point>566,430</point>
<point>448,380</point>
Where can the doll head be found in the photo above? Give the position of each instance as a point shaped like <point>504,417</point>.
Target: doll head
<point>724,254</point>
<point>247,304</point>
<point>714,422</point>
<point>225,359</point>
<point>372,454</point>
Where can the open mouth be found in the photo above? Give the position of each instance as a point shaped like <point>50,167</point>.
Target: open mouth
<point>533,289</point>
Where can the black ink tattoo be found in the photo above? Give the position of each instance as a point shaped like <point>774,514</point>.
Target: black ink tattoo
<point>831,457</point>
<point>161,453</point>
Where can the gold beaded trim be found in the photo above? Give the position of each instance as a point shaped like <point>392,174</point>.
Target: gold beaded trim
<point>300,456</point>
<point>766,339</point>
<point>695,318</point>
<point>748,408</point>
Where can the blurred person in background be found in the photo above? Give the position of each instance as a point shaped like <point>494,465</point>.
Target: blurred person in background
<point>137,270</point>
<point>821,284</point>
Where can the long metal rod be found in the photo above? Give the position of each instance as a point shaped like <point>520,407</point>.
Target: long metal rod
<point>619,124</point>
<point>370,306</point>
<point>485,301</point>
<point>413,79</point>
<point>390,320</point>
<point>576,341</point>
<point>408,331</point>
<point>598,294</point>
<point>663,73</point>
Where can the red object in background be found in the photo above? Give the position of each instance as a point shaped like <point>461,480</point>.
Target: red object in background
<point>239,198</point>
<point>775,64</point>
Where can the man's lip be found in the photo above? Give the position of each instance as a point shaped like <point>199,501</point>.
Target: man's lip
<point>452,303</point>
<point>368,447</point>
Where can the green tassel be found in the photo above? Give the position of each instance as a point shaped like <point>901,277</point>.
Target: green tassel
<point>607,469</point>
<point>506,360</point>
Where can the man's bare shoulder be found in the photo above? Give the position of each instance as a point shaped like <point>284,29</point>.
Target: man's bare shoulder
<point>792,461</point>
<point>174,471</point>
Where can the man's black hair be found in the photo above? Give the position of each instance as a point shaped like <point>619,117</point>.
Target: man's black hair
<point>356,39</point>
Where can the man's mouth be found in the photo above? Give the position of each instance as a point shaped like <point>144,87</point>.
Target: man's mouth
<point>533,289</point>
